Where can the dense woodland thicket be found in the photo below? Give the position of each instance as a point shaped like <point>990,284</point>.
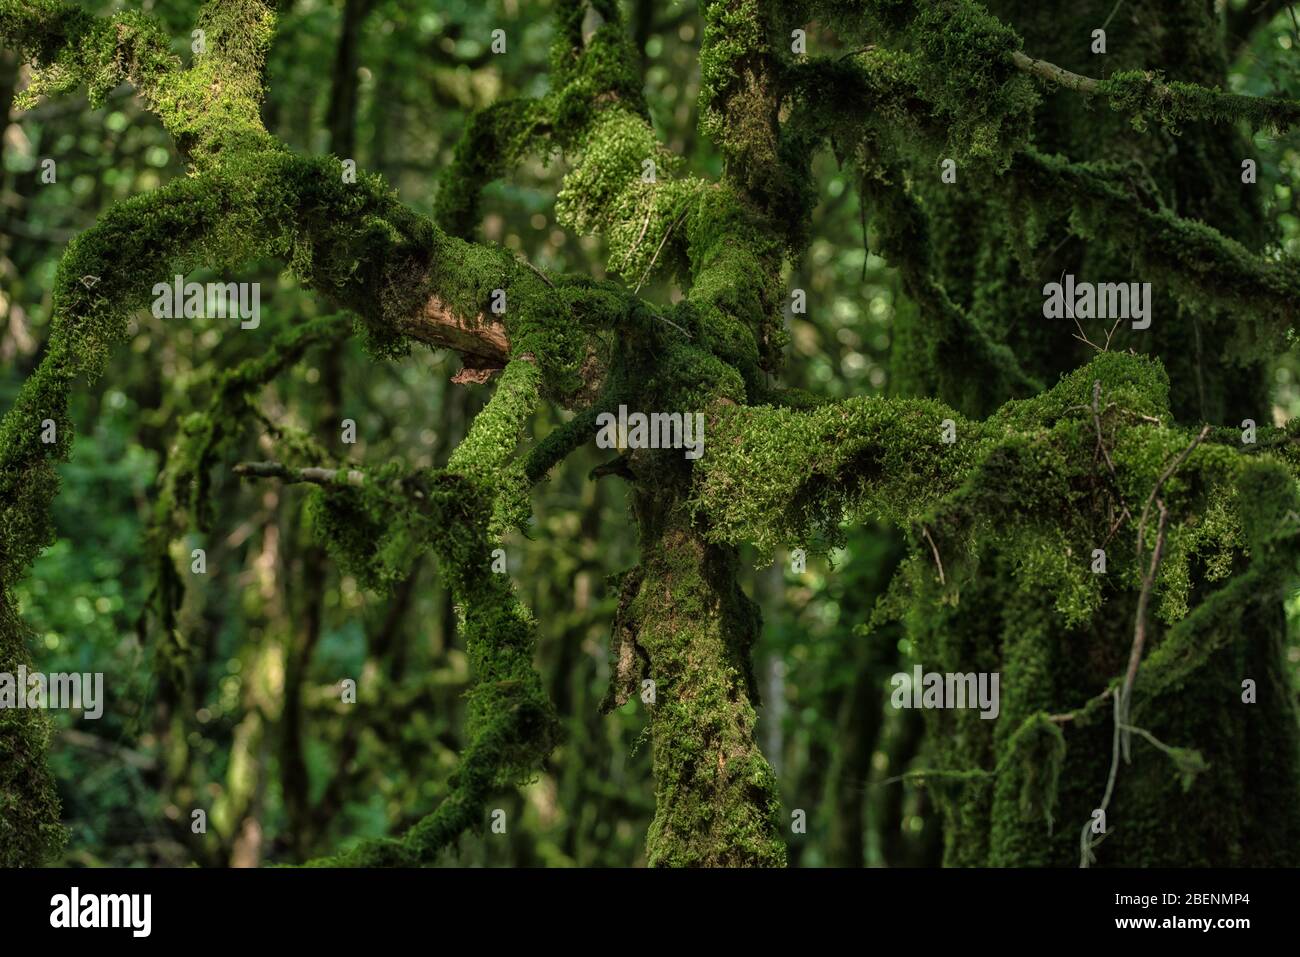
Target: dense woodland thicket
<point>827,227</point>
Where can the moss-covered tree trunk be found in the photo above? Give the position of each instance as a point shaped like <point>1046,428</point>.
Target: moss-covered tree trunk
<point>1237,813</point>
<point>715,792</point>
<point>1006,501</point>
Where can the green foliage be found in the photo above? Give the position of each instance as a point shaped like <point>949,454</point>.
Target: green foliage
<point>1002,523</point>
<point>73,48</point>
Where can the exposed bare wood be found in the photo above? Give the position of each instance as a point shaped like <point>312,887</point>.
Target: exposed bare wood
<point>483,337</point>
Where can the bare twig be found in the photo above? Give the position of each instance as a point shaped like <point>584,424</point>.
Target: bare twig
<point>1082,337</point>
<point>937,560</point>
<point>1140,627</point>
<point>640,236</point>
<point>1068,716</point>
<point>541,275</point>
<point>1111,333</point>
<point>315,476</point>
<point>653,259</point>
<point>1164,477</point>
<point>1119,520</point>
<point>1086,856</point>
<point>1096,421</point>
<point>669,322</point>
<point>1145,418</point>
<point>1122,733</point>
<point>1054,74</point>
<point>1149,738</point>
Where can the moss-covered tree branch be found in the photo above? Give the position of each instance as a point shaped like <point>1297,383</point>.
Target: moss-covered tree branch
<point>1148,97</point>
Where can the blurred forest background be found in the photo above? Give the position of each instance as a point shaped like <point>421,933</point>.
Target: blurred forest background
<point>260,739</point>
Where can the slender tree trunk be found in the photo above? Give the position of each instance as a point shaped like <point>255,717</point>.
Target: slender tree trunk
<point>715,793</point>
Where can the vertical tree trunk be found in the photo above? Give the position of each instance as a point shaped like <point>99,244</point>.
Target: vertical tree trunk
<point>715,792</point>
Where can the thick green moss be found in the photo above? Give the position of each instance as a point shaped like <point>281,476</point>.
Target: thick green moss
<point>1012,511</point>
<point>1004,518</point>
<point>1149,97</point>
<point>71,48</point>
<point>212,106</point>
<point>30,832</point>
<point>715,795</point>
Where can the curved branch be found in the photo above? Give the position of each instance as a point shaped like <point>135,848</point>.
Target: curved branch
<point>1147,94</point>
<point>211,108</point>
